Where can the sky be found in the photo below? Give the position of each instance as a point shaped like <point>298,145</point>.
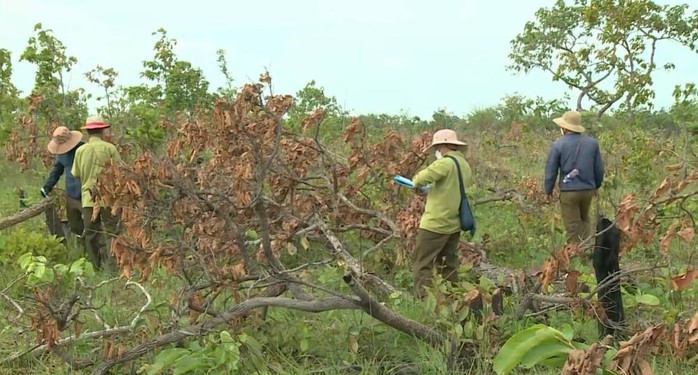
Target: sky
<point>374,56</point>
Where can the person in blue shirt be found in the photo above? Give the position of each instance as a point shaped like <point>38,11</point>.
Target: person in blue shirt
<point>63,144</point>
<point>577,159</point>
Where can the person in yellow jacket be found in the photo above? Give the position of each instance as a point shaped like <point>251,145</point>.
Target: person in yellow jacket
<point>439,229</point>
<point>88,164</point>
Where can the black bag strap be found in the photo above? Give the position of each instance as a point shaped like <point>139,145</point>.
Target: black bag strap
<point>460,177</point>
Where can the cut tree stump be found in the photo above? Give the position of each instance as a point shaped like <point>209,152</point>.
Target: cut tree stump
<point>26,214</point>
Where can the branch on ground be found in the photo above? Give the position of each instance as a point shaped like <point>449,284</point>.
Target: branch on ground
<point>26,214</point>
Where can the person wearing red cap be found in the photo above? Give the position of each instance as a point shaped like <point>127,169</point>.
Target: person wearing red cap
<point>63,144</point>
<point>88,164</point>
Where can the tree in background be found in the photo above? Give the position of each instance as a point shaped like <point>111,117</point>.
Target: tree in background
<point>9,95</point>
<point>312,99</point>
<point>604,49</point>
<point>229,91</point>
<point>55,103</point>
<point>177,89</point>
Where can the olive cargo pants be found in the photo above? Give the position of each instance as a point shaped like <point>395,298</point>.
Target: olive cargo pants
<point>575,207</point>
<point>73,210</point>
<point>98,235</point>
<point>434,250</point>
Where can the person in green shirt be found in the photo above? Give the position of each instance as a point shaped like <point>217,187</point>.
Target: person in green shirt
<point>439,229</point>
<point>88,164</point>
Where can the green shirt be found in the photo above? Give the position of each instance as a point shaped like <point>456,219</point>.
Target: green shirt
<point>443,199</point>
<point>88,163</point>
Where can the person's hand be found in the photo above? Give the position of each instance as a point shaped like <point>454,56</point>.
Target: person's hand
<point>44,193</point>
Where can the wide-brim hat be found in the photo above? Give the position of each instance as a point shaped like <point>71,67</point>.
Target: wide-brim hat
<point>571,120</point>
<point>446,137</point>
<point>63,140</point>
<point>94,122</point>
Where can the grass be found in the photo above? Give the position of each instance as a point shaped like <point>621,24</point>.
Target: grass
<point>351,342</point>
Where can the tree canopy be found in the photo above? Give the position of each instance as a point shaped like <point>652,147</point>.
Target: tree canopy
<point>604,49</point>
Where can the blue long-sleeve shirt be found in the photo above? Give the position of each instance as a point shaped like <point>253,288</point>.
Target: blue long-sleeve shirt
<point>64,163</point>
<point>561,160</point>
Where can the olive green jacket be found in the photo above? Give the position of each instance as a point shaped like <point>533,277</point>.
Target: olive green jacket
<point>88,163</point>
<point>443,199</point>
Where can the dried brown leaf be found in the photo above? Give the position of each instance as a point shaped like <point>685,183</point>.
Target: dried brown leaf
<point>626,212</point>
<point>687,233</point>
<point>585,362</point>
<point>663,189</point>
<point>571,282</point>
<point>629,359</point>
<point>674,167</point>
<point>666,239</point>
<point>684,280</point>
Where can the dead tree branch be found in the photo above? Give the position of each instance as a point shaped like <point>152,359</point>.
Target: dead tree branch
<point>530,298</point>
<point>110,332</point>
<point>242,309</point>
<point>378,311</point>
<point>26,214</point>
<point>340,252</point>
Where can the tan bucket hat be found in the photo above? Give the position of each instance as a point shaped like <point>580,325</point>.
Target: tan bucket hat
<point>63,140</point>
<point>445,137</point>
<point>571,120</point>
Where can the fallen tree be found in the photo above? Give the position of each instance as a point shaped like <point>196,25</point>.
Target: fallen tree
<point>225,204</point>
<point>26,214</point>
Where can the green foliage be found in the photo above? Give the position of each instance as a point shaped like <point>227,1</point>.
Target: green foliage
<point>21,241</point>
<point>485,118</point>
<point>310,98</point>
<point>9,96</point>
<point>59,104</point>
<point>40,272</point>
<point>49,54</point>
<point>536,112</point>
<point>7,88</point>
<point>228,92</point>
<point>532,346</point>
<point>604,49</point>
<point>178,86</point>
<point>221,353</point>
<point>377,123</point>
<point>442,119</point>
<point>685,108</point>
<point>104,78</point>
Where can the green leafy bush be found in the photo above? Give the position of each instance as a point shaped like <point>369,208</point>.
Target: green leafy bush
<point>221,353</point>
<point>23,241</point>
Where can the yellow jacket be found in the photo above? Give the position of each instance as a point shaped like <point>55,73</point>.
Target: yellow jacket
<point>443,199</point>
<point>88,163</point>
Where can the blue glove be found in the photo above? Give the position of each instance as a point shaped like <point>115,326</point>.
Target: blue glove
<point>44,193</point>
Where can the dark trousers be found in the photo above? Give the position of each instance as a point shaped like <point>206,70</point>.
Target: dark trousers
<point>434,251</point>
<point>575,207</point>
<point>73,208</point>
<point>98,235</point>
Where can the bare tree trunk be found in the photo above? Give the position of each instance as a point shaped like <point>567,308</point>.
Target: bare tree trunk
<point>579,101</point>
